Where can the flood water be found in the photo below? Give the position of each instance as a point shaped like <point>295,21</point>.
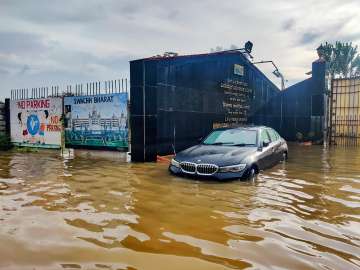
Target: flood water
<point>80,213</point>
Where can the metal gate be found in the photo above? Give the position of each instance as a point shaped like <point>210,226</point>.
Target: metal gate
<point>345,112</point>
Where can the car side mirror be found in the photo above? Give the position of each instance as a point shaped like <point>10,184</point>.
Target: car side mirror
<point>266,143</point>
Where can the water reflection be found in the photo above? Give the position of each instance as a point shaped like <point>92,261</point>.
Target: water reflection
<point>101,214</point>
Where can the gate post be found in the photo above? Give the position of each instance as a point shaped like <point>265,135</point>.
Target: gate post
<point>7,117</point>
<point>326,115</point>
<point>330,113</point>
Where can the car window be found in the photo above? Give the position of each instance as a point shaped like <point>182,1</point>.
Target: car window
<point>277,135</point>
<point>264,136</point>
<point>231,137</point>
<point>273,135</point>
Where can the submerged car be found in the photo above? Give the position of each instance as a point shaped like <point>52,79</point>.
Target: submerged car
<point>230,153</point>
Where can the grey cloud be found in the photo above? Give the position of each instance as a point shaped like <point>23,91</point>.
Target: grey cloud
<point>20,43</point>
<point>72,41</point>
<point>332,32</point>
<point>345,37</point>
<point>4,71</point>
<point>10,65</point>
<point>173,14</point>
<point>75,12</point>
<point>129,8</point>
<point>342,34</point>
<point>352,37</point>
<point>57,60</point>
<point>24,69</point>
<point>71,59</point>
<point>42,11</point>
<point>288,25</point>
<point>309,37</point>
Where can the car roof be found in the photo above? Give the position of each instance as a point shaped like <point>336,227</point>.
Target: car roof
<point>244,127</point>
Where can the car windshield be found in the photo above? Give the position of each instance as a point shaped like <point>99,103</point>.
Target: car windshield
<point>237,137</point>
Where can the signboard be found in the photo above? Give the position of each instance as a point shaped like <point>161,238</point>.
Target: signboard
<point>99,121</point>
<point>36,122</point>
<point>238,69</point>
<point>236,103</point>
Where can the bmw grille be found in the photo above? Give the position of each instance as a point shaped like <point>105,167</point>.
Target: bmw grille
<point>200,169</point>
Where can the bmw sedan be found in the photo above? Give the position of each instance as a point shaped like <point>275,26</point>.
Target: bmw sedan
<point>232,153</point>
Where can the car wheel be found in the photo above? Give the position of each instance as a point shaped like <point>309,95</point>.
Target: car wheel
<point>251,174</point>
<point>284,157</point>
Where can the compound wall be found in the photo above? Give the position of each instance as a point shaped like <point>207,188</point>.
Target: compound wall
<point>2,119</point>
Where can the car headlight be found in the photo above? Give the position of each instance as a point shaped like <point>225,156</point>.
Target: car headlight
<point>233,168</point>
<point>175,163</point>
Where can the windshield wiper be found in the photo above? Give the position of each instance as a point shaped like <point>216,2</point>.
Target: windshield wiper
<point>243,144</point>
<point>229,143</point>
<point>219,143</point>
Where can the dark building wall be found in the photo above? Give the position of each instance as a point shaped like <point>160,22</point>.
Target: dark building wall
<point>301,108</point>
<point>184,99</point>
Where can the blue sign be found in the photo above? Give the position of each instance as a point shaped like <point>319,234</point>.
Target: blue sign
<point>33,124</point>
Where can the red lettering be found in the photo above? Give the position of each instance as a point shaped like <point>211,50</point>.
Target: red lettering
<point>54,119</point>
<point>21,104</point>
<point>38,104</point>
<point>53,128</point>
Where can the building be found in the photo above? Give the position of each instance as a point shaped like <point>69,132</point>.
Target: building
<point>178,99</point>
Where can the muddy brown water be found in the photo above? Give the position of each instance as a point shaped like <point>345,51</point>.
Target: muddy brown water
<point>83,213</point>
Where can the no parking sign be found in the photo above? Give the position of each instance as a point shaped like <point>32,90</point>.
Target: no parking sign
<point>36,122</point>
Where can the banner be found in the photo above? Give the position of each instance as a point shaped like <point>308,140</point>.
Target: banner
<point>36,122</point>
<point>98,121</point>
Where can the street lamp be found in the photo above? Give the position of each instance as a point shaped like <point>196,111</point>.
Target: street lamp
<point>246,50</point>
<point>276,72</point>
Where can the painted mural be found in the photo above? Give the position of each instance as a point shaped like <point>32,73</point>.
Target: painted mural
<point>96,121</point>
<point>36,122</point>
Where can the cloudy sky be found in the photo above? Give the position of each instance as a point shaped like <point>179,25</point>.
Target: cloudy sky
<point>45,43</point>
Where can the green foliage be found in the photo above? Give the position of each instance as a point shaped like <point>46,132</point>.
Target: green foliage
<point>5,143</point>
<point>343,59</point>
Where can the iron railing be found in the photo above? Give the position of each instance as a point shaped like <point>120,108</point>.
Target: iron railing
<point>345,112</point>
<point>82,89</point>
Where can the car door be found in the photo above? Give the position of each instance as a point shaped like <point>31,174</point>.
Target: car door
<point>265,156</point>
<point>275,146</point>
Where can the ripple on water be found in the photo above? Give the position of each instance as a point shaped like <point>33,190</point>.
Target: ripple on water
<point>303,214</point>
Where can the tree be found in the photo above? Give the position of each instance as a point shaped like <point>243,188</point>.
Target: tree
<point>343,59</point>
